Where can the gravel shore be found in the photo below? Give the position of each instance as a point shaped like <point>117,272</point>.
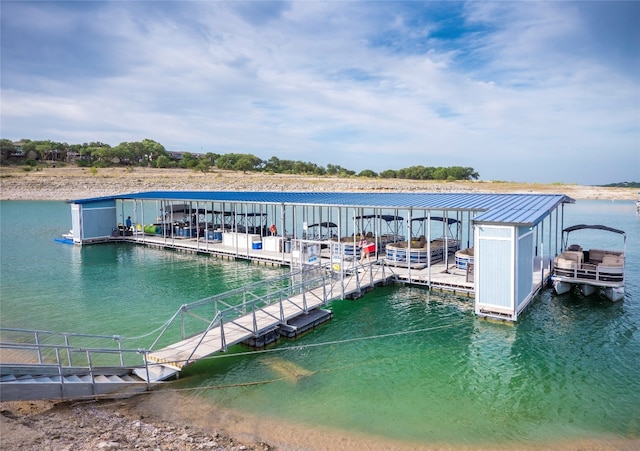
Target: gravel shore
<point>68,183</point>
<point>109,425</point>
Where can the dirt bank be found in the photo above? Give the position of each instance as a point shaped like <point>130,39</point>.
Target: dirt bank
<point>76,183</point>
<point>91,425</point>
<point>175,421</point>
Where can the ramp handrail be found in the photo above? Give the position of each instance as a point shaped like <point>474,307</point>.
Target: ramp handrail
<point>216,300</point>
<point>226,312</point>
<point>44,339</point>
<point>53,355</point>
<point>365,274</point>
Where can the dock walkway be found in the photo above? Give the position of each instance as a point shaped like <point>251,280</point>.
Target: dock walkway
<point>238,323</point>
<point>438,276</point>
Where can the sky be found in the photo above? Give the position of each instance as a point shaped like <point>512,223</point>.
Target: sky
<point>521,91</point>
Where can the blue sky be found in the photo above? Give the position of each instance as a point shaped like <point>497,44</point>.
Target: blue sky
<point>520,91</point>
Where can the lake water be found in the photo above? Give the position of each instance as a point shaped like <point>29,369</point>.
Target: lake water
<point>400,363</point>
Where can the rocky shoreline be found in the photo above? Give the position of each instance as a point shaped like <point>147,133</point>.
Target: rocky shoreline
<point>68,183</point>
<point>108,425</point>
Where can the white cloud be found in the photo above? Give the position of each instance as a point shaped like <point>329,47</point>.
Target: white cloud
<point>360,85</point>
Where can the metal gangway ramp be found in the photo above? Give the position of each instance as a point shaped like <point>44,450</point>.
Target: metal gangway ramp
<point>256,310</point>
<point>40,364</point>
<point>52,365</point>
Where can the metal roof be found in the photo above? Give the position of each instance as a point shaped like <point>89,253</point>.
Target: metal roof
<point>511,209</point>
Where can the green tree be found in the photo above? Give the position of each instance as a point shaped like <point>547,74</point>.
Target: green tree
<point>188,161</point>
<point>163,162</point>
<point>151,149</point>
<point>272,164</point>
<point>227,161</point>
<point>203,165</point>
<point>7,148</point>
<point>367,173</point>
<point>247,163</point>
<point>212,157</point>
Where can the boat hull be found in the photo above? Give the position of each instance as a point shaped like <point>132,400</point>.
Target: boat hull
<point>586,289</point>
<point>561,287</point>
<point>614,294</point>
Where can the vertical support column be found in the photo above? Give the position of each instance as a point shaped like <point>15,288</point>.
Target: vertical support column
<point>66,342</point>
<point>409,236</point>
<point>63,393</point>
<point>429,262</point>
<point>91,372</point>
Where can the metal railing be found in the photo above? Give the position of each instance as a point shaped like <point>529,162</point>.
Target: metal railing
<point>590,273</point>
<point>365,275</point>
<point>301,287</point>
<point>41,352</point>
<point>42,346</point>
<point>226,308</point>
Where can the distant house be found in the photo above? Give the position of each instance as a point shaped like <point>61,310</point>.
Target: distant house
<point>176,156</point>
<point>72,156</point>
<point>15,154</point>
<point>18,148</point>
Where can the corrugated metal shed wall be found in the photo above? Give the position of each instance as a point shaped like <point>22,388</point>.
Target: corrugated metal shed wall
<point>524,266</point>
<point>98,219</point>
<point>494,284</point>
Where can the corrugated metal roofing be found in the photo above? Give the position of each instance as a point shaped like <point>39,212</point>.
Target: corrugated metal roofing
<point>513,209</point>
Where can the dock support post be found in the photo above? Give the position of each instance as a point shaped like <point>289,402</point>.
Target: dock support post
<point>66,342</point>
<point>91,372</point>
<point>146,368</point>
<point>63,391</point>
<point>223,341</point>
<point>39,350</point>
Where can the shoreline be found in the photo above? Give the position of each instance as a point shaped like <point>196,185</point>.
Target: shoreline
<point>69,183</point>
<point>145,422</point>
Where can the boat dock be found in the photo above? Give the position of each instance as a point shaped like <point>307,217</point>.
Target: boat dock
<point>499,248</point>
<point>496,248</point>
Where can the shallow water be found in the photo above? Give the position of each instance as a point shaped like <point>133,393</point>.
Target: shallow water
<point>400,363</point>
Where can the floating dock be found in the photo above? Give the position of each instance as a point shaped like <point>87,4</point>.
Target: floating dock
<point>512,237</point>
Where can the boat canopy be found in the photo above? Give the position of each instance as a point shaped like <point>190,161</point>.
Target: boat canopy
<point>184,210</point>
<point>387,218</point>
<point>595,226</point>
<point>326,225</point>
<point>566,231</point>
<point>449,221</point>
<point>176,208</point>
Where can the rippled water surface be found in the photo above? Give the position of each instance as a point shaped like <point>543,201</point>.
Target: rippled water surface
<point>400,362</point>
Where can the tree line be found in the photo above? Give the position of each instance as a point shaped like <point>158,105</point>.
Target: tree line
<point>149,153</point>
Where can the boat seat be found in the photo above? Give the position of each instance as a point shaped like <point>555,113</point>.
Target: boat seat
<point>596,255</point>
<point>561,262</point>
<point>576,256</point>
<point>612,261</point>
<point>575,247</point>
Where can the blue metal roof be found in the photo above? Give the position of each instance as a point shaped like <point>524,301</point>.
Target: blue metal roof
<point>512,209</point>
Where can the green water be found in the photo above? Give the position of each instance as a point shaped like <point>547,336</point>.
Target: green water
<point>400,362</point>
